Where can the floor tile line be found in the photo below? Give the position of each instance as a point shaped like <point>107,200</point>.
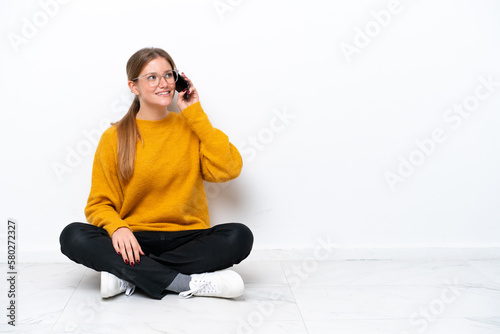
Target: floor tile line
<point>294,298</point>
<point>68,301</point>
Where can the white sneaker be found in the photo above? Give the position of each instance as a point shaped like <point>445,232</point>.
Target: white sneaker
<point>224,284</point>
<point>112,286</point>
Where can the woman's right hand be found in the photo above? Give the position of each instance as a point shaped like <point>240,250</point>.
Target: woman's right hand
<point>126,245</point>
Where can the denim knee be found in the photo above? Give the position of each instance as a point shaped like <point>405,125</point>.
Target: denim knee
<point>241,238</point>
<point>73,237</point>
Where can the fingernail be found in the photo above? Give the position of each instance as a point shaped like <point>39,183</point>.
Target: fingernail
<point>184,90</point>
<point>120,253</point>
<point>138,261</point>
<point>132,264</point>
<point>189,92</point>
<point>126,261</point>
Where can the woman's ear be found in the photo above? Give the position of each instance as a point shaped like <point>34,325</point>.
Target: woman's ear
<point>133,87</point>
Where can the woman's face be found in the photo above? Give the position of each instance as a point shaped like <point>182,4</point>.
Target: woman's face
<point>154,96</point>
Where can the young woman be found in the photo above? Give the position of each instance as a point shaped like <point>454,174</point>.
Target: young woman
<point>147,208</point>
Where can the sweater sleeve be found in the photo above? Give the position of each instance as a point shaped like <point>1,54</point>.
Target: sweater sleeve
<point>106,196</point>
<point>220,160</point>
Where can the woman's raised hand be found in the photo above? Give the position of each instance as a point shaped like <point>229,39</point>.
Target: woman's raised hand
<point>192,95</point>
<point>126,245</point>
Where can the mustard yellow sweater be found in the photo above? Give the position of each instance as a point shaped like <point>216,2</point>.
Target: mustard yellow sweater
<point>166,190</point>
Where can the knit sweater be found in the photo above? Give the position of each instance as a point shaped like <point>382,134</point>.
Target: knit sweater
<point>166,190</point>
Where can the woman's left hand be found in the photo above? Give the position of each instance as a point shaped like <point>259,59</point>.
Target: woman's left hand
<point>193,97</point>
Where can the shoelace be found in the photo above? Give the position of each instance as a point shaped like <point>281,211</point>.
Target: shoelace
<point>129,288</point>
<point>201,287</point>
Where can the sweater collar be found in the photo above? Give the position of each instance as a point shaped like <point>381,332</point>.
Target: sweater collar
<point>145,124</point>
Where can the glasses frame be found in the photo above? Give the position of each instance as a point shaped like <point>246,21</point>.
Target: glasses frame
<point>174,71</point>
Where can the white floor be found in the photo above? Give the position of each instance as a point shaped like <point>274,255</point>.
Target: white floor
<point>372,297</point>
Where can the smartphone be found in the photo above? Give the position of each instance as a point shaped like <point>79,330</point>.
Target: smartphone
<point>182,84</point>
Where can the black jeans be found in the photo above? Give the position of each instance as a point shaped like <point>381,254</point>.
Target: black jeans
<point>167,253</point>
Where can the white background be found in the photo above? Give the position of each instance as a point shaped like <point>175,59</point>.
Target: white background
<point>320,172</point>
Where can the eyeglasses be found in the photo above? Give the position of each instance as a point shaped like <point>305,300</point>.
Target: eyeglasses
<point>153,79</point>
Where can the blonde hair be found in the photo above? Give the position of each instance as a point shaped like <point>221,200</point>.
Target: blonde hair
<point>127,131</point>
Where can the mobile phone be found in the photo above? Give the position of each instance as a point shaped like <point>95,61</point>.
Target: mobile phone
<point>182,84</point>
